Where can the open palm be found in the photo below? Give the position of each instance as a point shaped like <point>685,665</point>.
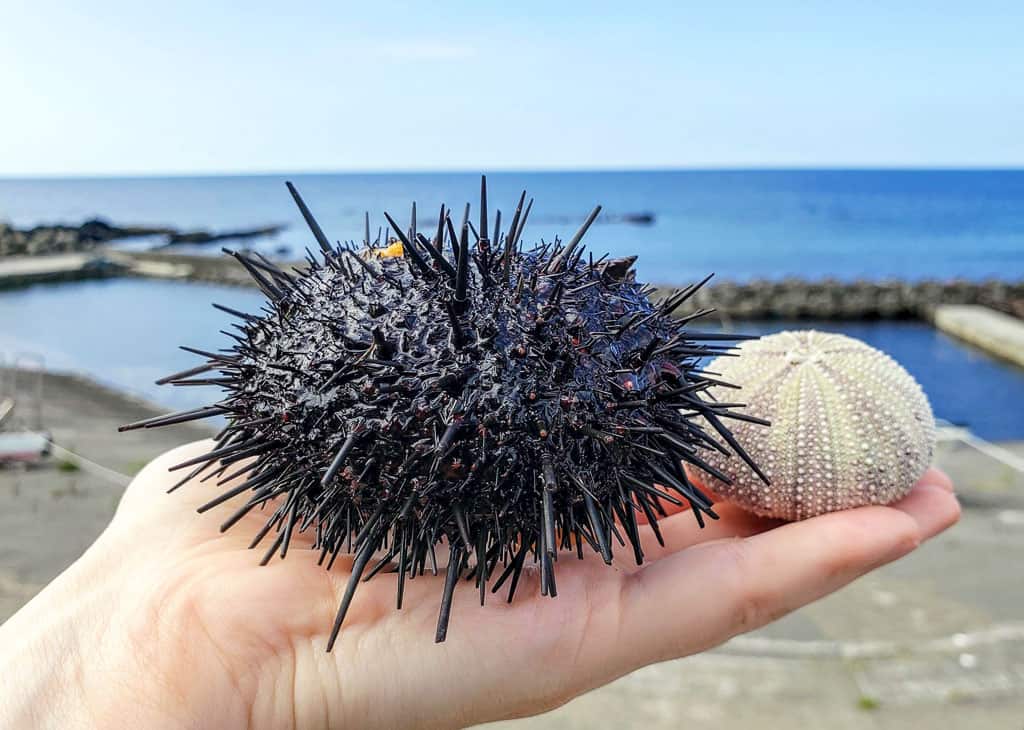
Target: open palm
<point>224,642</point>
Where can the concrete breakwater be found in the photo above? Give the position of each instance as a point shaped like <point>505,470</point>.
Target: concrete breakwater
<point>830,299</point>
<point>210,269</point>
<point>788,299</point>
<point>48,240</point>
<point>827,299</point>
<point>21,271</point>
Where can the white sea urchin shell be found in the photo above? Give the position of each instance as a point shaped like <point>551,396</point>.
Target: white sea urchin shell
<point>850,426</point>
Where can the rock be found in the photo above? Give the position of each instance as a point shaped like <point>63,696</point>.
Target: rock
<point>51,239</point>
<point>97,230</point>
<point>207,237</point>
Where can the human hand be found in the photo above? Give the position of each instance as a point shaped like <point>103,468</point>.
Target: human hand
<point>165,621</point>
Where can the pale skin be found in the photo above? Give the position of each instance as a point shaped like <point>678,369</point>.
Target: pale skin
<point>166,622</point>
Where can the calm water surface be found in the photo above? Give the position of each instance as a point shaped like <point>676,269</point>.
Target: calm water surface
<point>739,224</point>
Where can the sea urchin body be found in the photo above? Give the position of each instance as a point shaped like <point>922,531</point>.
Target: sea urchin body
<point>850,426</point>
<point>510,404</point>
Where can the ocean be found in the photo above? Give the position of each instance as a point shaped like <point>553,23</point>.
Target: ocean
<point>846,224</point>
<point>739,224</point>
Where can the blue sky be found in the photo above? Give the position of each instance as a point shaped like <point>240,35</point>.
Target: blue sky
<point>130,87</point>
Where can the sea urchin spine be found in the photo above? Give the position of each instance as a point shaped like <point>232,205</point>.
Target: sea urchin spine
<point>512,404</point>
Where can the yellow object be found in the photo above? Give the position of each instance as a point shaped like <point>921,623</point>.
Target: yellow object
<point>395,249</point>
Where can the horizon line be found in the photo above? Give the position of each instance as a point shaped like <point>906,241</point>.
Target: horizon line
<point>511,171</point>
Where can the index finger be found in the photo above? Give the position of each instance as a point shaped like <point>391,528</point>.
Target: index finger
<point>704,595</point>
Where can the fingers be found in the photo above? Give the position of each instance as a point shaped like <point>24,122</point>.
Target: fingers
<point>699,597</point>
<point>680,530</point>
<point>933,507</point>
<point>936,478</point>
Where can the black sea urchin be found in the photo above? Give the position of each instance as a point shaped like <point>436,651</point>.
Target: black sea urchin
<point>510,403</point>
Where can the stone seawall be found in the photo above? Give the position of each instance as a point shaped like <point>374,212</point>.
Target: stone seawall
<point>21,271</point>
<point>211,269</point>
<point>789,299</point>
<point>857,300</point>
